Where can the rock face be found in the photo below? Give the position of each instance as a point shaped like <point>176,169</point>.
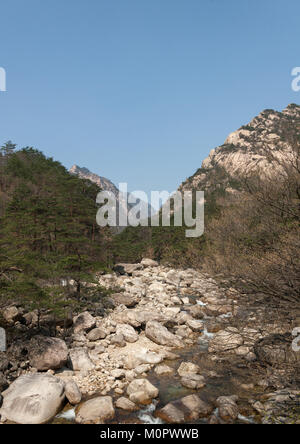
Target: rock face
<point>258,147</point>
<point>161,335</point>
<point>47,353</point>
<point>95,411</point>
<point>33,399</point>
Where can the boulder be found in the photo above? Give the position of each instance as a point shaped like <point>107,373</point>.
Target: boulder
<point>96,334</point>
<point>33,399</point>
<point>80,360</point>
<point>127,268</point>
<point>124,299</point>
<point>72,392</point>
<point>195,325</point>
<point>141,391</point>
<point>125,404</point>
<point>187,368</point>
<point>118,340</point>
<point>171,414</point>
<point>161,335</point>
<point>149,263</point>
<point>163,370</point>
<point>276,350</point>
<point>95,411</point>
<point>193,381</point>
<point>196,311</point>
<point>11,315</point>
<point>128,332</point>
<point>196,407</point>
<point>228,410</point>
<point>84,322</point>
<point>136,358</point>
<point>225,340</point>
<point>47,353</point>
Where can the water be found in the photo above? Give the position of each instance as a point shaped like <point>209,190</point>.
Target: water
<point>146,415</point>
<point>68,415</point>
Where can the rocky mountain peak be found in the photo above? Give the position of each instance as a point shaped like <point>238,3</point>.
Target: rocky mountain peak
<point>102,182</point>
<point>257,148</point>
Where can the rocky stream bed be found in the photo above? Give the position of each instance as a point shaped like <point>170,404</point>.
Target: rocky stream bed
<point>174,346</point>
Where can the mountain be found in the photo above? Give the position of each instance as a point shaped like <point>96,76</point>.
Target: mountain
<point>259,148</point>
<point>107,185</point>
<point>102,182</point>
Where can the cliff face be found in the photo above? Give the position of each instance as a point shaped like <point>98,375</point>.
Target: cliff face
<point>259,148</point>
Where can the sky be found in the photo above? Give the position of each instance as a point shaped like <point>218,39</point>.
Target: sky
<point>140,91</point>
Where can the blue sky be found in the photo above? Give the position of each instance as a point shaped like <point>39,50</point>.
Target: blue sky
<point>140,91</point>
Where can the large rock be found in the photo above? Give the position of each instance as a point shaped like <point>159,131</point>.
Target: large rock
<point>84,322</point>
<point>196,407</point>
<point>164,370</point>
<point>136,318</point>
<point>96,334</point>
<point>171,414</point>
<point>33,399</point>
<point>193,381</point>
<point>124,299</point>
<point>72,392</point>
<point>136,358</point>
<point>47,353</point>
<point>125,404</point>
<point>276,350</point>
<point>11,314</point>
<point>127,268</point>
<point>128,332</point>
<point>141,391</point>
<point>80,360</point>
<point>195,325</point>
<point>95,411</point>
<point>187,368</point>
<point>228,410</point>
<point>161,335</point>
<point>226,340</point>
<point>149,263</point>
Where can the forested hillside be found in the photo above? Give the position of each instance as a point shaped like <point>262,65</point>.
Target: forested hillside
<point>48,230</point>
